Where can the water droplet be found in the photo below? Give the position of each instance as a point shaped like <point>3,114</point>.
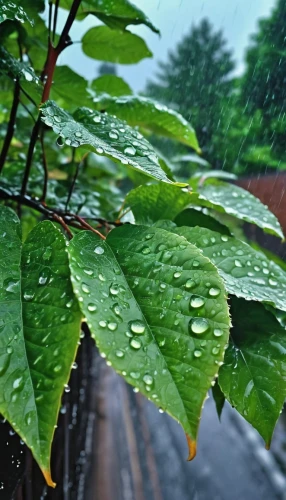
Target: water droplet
<point>256,268</point>
<point>146,250</point>
<point>218,332</point>
<point>272,282</point>
<point>101,277</point>
<point>149,236</point>
<point>196,302</point>
<point>92,307</point>
<point>60,142</point>
<point>112,326</point>
<point>199,325</point>
<point>135,343</point>
<point>224,238</point>
<point>196,263</point>
<point>148,379</point>
<point>197,353</point>
<point>177,274</point>
<point>102,324</point>
<point>113,135</point>
<point>89,272</point>
<point>114,289</point>
<point>47,253</point>
<point>85,288</point>
<point>237,263</point>
<point>162,287</point>
<point>214,292</point>
<point>119,354</point>
<point>130,151</point>
<point>137,327</point>
<point>190,284</point>
<point>29,295</point>
<point>99,250</point>
<point>215,350</point>
<point>135,375</point>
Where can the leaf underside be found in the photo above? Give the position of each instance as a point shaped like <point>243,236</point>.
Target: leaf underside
<point>106,135</point>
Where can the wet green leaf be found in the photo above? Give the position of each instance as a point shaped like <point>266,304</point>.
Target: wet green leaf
<point>106,136</point>
<point>253,377</point>
<point>69,87</point>
<point>146,295</point>
<point>116,14</point>
<point>150,203</point>
<point>40,325</point>
<point>192,217</point>
<point>120,47</point>
<point>14,12</point>
<point>239,203</point>
<point>144,112</point>
<point>246,272</point>
<point>17,69</point>
<point>219,398</point>
<point>110,84</point>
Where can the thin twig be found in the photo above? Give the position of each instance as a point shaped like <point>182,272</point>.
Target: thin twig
<point>45,167</point>
<point>11,126</point>
<point>28,96</point>
<point>55,19</point>
<point>28,111</point>
<point>63,224</point>
<point>87,226</point>
<point>74,178</point>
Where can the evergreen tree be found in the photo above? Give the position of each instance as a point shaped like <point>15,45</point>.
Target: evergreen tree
<point>195,79</point>
<point>264,87</point>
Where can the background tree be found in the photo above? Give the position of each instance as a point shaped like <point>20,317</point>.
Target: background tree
<point>263,90</point>
<point>195,79</point>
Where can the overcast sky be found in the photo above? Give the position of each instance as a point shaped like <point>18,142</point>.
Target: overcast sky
<point>237,18</point>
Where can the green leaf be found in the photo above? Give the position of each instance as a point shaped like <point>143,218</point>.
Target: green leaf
<point>16,69</point>
<point>192,217</point>
<point>153,202</point>
<point>149,114</point>
<point>110,84</point>
<point>246,272</point>
<point>219,398</point>
<point>106,136</point>
<point>13,12</point>
<point>117,14</point>
<point>239,203</point>
<point>191,158</point>
<point>120,47</point>
<point>40,325</point>
<point>217,174</point>
<point>254,373</point>
<point>69,87</point>
<point>145,294</point>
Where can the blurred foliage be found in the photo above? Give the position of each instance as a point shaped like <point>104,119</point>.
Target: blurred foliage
<point>240,122</point>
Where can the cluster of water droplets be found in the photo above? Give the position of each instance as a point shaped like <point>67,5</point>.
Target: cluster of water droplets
<point>11,10</point>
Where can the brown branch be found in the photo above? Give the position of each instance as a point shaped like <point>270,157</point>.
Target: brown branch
<point>47,78</point>
<point>87,226</point>
<point>64,218</point>
<point>59,219</point>
<point>11,126</point>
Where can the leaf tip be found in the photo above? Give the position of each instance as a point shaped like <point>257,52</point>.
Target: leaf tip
<point>48,478</point>
<point>192,446</point>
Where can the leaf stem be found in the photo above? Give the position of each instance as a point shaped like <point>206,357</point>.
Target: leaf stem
<point>45,167</point>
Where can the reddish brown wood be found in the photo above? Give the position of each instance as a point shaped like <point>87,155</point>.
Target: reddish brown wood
<point>271,190</point>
